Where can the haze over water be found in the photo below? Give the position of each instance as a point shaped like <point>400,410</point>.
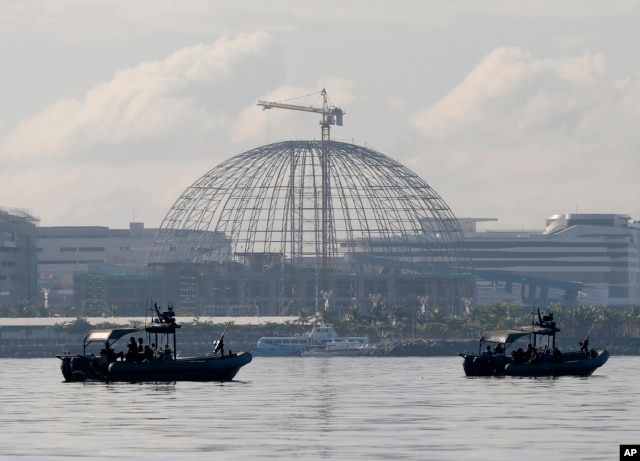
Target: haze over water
<point>339,408</point>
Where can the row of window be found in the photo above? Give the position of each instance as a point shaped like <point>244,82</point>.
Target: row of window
<point>68,262</point>
<point>13,277</point>
<point>85,249</point>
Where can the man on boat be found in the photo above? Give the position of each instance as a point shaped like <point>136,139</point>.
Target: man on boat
<point>132,354</point>
<point>148,353</point>
<point>167,354</point>
<point>110,354</point>
<point>584,346</point>
<point>530,352</point>
<point>219,346</point>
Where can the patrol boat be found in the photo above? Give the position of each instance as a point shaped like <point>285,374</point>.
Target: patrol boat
<point>162,365</point>
<point>540,358</point>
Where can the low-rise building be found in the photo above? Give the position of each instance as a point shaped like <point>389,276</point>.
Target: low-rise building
<point>576,258</point>
<point>65,251</point>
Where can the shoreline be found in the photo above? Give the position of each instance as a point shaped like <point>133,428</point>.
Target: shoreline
<point>395,348</point>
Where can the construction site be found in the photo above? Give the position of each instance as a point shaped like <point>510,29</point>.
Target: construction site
<point>316,224</point>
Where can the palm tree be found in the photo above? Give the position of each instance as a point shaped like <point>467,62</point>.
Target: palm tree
<point>355,316</point>
<point>20,309</point>
<point>377,311</point>
<point>305,315</point>
<point>396,313</point>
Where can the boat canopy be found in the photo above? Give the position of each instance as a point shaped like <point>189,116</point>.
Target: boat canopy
<point>502,336</point>
<point>509,336</point>
<point>109,335</point>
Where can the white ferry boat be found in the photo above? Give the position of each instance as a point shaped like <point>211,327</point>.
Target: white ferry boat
<point>318,339</point>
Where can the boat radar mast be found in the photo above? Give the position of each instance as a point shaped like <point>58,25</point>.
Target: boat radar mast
<point>331,115</point>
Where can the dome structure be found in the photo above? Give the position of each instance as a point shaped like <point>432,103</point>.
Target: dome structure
<point>280,226</point>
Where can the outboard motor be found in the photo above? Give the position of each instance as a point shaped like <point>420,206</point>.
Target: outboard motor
<point>468,365</point>
<point>79,368</point>
<point>65,367</point>
<point>482,367</point>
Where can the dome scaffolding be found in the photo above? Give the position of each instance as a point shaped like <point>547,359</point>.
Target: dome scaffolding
<point>277,226</point>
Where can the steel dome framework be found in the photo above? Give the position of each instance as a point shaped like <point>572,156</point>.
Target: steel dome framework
<point>281,226</point>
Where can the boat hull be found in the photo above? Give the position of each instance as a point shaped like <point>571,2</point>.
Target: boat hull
<point>275,351</point>
<point>325,353</point>
<point>216,368</point>
<point>571,364</point>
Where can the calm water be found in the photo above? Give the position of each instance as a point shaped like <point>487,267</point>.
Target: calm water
<point>339,408</point>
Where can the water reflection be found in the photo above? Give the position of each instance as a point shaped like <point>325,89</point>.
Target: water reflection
<point>322,408</point>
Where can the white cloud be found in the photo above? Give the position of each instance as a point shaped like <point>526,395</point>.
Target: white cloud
<point>151,100</point>
<point>510,83</point>
<point>132,144</point>
<point>507,110</point>
<point>552,132</point>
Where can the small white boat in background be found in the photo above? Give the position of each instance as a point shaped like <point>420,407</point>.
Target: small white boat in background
<point>281,346</point>
<point>321,338</point>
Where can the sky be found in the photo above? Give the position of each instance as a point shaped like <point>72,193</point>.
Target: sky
<point>512,110</point>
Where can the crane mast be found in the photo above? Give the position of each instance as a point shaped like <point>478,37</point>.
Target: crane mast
<point>330,115</point>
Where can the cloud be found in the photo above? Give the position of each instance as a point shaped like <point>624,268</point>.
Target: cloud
<point>509,82</point>
<point>132,144</point>
<point>552,131</point>
<point>150,101</point>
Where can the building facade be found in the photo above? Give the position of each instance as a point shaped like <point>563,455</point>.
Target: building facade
<point>595,255</point>
<point>575,259</point>
<point>18,265</point>
<point>64,252</point>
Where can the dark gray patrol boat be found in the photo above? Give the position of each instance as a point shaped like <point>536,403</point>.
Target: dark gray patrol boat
<point>162,365</point>
<point>540,358</point>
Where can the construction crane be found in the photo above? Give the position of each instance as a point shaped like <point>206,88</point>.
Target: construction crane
<point>330,115</point>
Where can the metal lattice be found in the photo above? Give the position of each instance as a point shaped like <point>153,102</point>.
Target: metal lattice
<point>325,207</point>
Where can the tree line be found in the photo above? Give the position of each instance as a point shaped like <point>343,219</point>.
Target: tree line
<point>397,321</point>
<point>380,320</point>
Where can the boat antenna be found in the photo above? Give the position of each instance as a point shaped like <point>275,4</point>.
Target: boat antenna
<point>590,330</point>
<point>584,343</point>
